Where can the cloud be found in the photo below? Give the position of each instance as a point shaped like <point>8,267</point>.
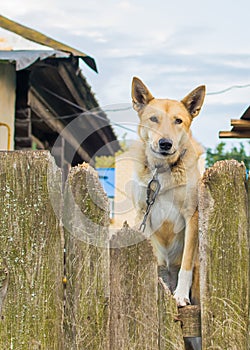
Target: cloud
<point>174,74</point>
<point>172,46</point>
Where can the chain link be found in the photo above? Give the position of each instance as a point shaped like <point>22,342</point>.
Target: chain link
<point>153,189</point>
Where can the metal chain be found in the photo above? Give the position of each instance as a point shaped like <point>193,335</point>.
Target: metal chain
<point>153,189</point>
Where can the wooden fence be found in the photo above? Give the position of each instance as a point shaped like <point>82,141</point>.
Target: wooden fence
<point>62,288</point>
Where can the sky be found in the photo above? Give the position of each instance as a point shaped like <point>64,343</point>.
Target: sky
<point>173,46</point>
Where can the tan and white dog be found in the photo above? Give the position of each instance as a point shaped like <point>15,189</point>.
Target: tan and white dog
<point>166,144</point>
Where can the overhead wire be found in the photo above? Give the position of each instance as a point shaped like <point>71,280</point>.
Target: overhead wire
<point>94,112</point>
<point>228,89</point>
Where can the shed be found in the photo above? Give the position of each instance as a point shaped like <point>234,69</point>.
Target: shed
<point>47,103</point>
<point>240,127</point>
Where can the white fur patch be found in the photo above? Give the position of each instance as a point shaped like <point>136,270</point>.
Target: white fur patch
<point>181,293</point>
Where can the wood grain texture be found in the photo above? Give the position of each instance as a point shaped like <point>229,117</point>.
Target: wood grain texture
<point>86,220</point>
<point>142,311</point>
<point>113,298</point>
<point>32,253</point>
<point>224,257</point>
<point>170,332</point>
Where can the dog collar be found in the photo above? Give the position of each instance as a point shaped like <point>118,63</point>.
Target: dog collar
<point>162,169</point>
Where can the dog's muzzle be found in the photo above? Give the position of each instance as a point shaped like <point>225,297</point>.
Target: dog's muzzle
<point>165,144</point>
<point>164,148</point>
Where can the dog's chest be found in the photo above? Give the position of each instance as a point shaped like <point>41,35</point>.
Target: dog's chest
<point>175,201</point>
<point>168,207</point>
<point>172,201</point>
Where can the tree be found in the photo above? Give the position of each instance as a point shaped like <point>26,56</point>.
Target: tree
<point>219,153</point>
<point>109,161</point>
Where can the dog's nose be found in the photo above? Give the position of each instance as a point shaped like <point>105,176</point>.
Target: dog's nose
<point>165,144</point>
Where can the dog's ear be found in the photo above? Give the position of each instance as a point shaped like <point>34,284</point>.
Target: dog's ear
<point>140,94</point>
<point>194,100</point>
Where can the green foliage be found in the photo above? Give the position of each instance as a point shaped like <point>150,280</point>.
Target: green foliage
<point>219,153</point>
<point>105,162</point>
<point>109,161</point>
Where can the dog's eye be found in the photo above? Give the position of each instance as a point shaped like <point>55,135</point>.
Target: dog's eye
<point>154,119</point>
<point>178,121</point>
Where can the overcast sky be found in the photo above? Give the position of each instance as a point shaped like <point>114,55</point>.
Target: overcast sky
<point>173,46</point>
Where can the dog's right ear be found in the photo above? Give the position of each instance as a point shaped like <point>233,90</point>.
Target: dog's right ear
<point>140,94</point>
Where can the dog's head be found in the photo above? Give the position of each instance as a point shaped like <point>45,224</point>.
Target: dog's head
<point>164,124</point>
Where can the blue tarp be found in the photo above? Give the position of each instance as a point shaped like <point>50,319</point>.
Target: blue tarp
<point>107,179</point>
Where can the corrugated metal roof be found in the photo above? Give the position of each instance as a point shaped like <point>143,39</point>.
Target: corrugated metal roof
<point>25,58</point>
<point>52,94</point>
<point>37,37</point>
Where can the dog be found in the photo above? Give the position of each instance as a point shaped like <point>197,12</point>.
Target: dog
<point>167,153</point>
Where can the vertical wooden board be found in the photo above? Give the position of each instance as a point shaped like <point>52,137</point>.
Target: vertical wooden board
<point>86,219</point>
<point>32,253</point>
<point>86,313</point>
<point>224,255</point>
<point>170,333</point>
<point>133,294</point>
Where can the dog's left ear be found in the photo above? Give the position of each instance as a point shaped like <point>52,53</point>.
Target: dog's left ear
<point>194,100</point>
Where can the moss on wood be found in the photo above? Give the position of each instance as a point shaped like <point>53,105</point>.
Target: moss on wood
<point>141,313</point>
<point>31,249</point>
<point>224,253</point>
<point>86,218</point>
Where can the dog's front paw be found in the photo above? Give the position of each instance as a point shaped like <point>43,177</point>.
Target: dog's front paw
<point>181,293</point>
<point>181,299</point>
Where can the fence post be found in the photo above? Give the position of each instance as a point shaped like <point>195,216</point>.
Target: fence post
<point>141,312</point>
<point>224,255</point>
<point>31,253</point>
<point>170,332</point>
<point>86,219</point>
<point>133,293</point>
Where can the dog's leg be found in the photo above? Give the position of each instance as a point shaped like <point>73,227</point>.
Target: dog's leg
<point>193,343</point>
<point>169,276</point>
<point>195,289</point>
<point>185,276</point>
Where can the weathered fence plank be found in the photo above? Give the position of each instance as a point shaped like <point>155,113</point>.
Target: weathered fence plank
<point>141,312</point>
<point>31,252</point>
<point>170,333</point>
<point>113,298</point>
<point>133,294</point>
<point>86,219</point>
<point>224,251</point>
